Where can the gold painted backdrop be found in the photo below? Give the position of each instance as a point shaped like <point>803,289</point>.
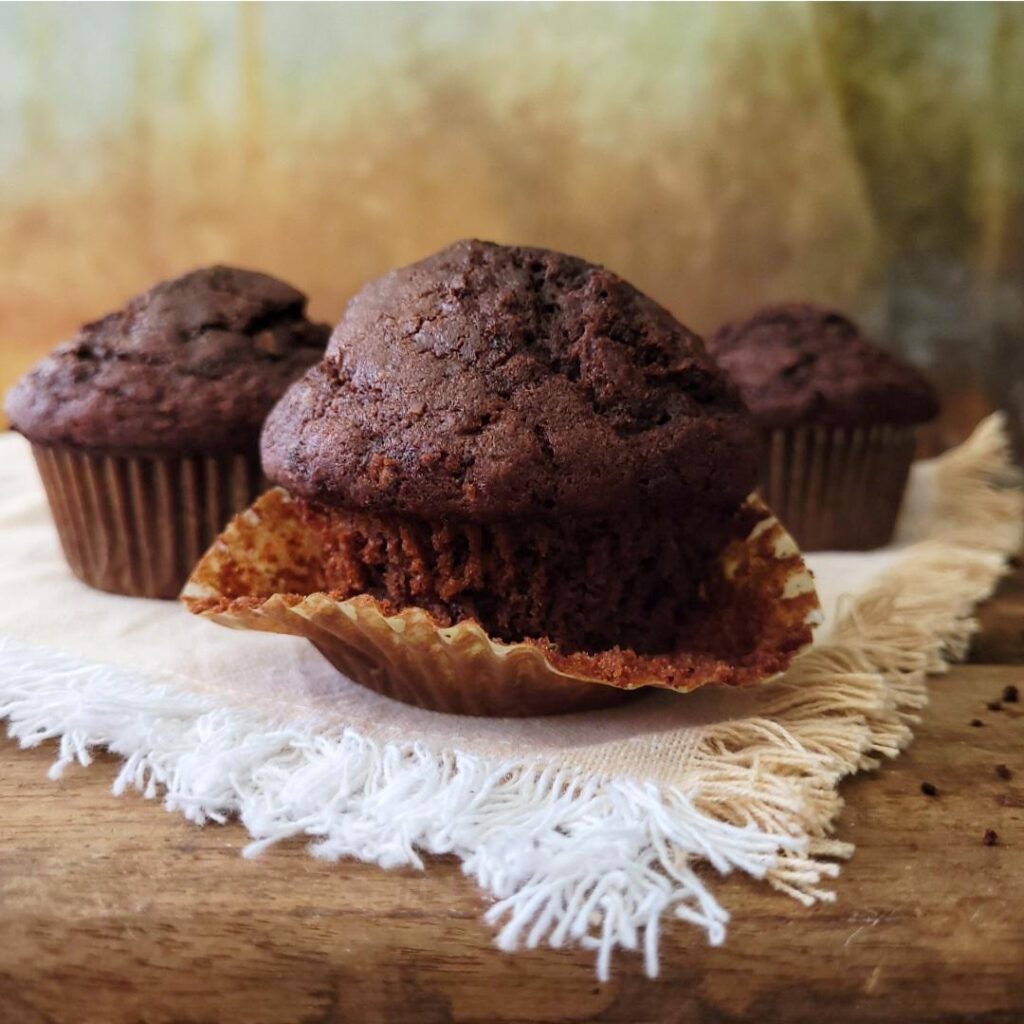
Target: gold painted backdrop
<point>719,156</point>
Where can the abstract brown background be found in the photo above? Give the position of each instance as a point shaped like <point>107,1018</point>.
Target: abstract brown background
<point>719,156</point>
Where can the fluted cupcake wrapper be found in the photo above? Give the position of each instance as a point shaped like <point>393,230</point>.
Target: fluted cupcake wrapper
<point>138,526</point>
<point>838,488</point>
<point>256,576</point>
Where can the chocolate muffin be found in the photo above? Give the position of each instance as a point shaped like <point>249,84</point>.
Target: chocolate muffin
<point>522,438</point>
<point>838,413</point>
<point>145,426</point>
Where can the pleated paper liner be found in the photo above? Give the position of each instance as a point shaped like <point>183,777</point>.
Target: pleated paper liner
<point>759,609</point>
<point>137,526</point>
<point>837,488</point>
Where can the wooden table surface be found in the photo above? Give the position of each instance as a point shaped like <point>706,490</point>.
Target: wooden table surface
<point>114,911</point>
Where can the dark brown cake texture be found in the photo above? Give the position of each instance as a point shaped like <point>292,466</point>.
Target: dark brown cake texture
<point>799,363</point>
<point>192,365</point>
<point>520,437</point>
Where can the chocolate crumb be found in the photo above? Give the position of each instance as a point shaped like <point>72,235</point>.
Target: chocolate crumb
<point>192,365</point>
<point>624,394</point>
<point>1003,772</point>
<point>991,837</point>
<point>994,705</point>
<point>928,789</point>
<point>795,364</point>
<point>1011,695</point>
<point>977,723</point>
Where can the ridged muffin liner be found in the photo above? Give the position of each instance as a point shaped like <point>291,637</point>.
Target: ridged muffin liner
<point>136,525</point>
<point>838,488</point>
<point>254,577</point>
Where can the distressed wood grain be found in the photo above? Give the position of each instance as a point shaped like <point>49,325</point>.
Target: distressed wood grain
<point>114,911</point>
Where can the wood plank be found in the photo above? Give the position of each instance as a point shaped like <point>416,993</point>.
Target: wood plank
<point>1000,640</point>
<point>113,910</point>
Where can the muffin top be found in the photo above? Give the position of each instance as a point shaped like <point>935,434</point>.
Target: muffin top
<point>492,382</point>
<point>796,363</point>
<point>192,365</point>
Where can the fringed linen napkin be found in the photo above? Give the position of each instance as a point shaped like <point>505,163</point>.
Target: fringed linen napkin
<point>583,828</point>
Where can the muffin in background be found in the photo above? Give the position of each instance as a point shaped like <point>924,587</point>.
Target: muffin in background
<point>145,426</point>
<point>839,415</point>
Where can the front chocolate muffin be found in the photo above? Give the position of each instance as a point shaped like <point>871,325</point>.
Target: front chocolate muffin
<point>513,486</point>
<point>145,426</point>
<point>519,437</point>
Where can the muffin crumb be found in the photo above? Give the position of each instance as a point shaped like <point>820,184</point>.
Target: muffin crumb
<point>977,723</point>
<point>991,837</point>
<point>928,789</point>
<point>495,382</point>
<point>1011,695</point>
<point>194,364</point>
<point>797,363</point>
<point>1003,772</point>
<point>994,705</point>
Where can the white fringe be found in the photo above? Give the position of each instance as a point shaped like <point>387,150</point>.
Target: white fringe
<point>594,861</point>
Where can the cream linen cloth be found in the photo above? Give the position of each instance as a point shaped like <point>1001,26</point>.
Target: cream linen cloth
<point>584,828</point>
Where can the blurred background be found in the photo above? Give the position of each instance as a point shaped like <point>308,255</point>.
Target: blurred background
<point>719,156</point>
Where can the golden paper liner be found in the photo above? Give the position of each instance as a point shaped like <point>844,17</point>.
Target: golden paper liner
<point>137,526</point>
<point>761,606</point>
<point>838,489</point>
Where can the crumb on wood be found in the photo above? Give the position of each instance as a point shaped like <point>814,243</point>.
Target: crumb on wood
<point>994,705</point>
<point>1003,772</point>
<point>1011,695</point>
<point>928,789</point>
<point>977,723</point>
<point>991,837</point>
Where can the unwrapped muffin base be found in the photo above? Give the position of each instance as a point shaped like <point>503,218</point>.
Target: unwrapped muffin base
<point>138,525</point>
<point>258,575</point>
